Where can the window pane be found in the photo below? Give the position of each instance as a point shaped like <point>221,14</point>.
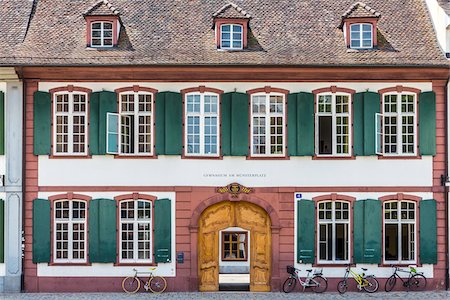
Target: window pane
<point>325,135</point>
<point>237,28</point>
<point>341,241</point>
<point>391,242</point>
<point>367,27</point>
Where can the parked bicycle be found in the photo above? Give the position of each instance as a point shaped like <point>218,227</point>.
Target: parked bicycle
<point>155,284</point>
<point>415,281</point>
<point>367,282</point>
<point>316,281</point>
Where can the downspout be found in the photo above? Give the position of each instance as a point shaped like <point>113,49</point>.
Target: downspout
<point>24,86</point>
<point>446,183</point>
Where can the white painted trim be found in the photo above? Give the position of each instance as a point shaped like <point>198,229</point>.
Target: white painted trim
<point>360,25</point>
<point>231,37</point>
<point>102,34</point>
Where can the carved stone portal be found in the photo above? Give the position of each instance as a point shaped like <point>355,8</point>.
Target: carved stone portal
<point>234,214</point>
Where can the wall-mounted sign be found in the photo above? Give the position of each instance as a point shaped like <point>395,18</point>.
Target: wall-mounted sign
<point>234,189</point>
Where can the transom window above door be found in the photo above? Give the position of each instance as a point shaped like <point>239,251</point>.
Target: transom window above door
<point>202,124</point>
<point>268,124</point>
<point>333,124</point>
<point>234,246</point>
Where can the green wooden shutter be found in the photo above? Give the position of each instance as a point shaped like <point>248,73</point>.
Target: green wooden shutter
<point>2,123</point>
<point>305,124</point>
<point>427,123</point>
<point>292,124</point>
<point>358,124</point>
<point>239,124</point>
<point>94,122</point>
<point>428,232</point>
<point>163,233</point>
<point>2,231</point>
<point>169,123</point>
<point>160,121</point>
<point>306,222</point>
<point>107,104</point>
<point>41,230</point>
<point>367,226</point>
<point>42,114</point>
<point>225,126</point>
<point>371,107</point>
<point>102,231</point>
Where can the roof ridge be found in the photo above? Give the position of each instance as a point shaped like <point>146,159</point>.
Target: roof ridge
<point>106,3</point>
<point>363,5</point>
<point>235,6</point>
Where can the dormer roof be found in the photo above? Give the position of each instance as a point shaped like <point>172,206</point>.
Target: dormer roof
<point>231,11</point>
<point>101,8</point>
<point>359,10</point>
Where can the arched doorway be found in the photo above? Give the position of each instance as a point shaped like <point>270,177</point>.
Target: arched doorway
<point>234,214</point>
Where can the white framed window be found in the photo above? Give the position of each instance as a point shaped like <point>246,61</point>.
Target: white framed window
<point>333,234</point>
<point>70,123</point>
<point>102,34</point>
<point>268,124</point>
<point>202,124</point>
<point>130,132</point>
<point>361,36</point>
<point>231,36</point>
<point>333,124</point>
<point>69,231</point>
<point>135,234</point>
<point>400,232</point>
<point>398,122</point>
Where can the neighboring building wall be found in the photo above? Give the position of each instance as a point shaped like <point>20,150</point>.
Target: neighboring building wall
<point>191,184</point>
<point>11,190</point>
<point>441,23</point>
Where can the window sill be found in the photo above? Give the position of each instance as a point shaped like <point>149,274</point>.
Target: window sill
<point>399,157</point>
<point>70,156</point>
<point>137,264</point>
<point>70,264</point>
<point>285,157</point>
<point>320,157</point>
<point>402,265</point>
<point>185,156</point>
<point>332,264</point>
<point>118,156</point>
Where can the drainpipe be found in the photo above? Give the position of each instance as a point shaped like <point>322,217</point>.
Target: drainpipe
<point>447,183</point>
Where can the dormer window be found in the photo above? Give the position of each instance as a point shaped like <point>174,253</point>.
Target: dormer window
<point>359,24</point>
<point>102,34</point>
<point>102,25</point>
<point>231,36</point>
<point>361,36</point>
<point>231,27</point>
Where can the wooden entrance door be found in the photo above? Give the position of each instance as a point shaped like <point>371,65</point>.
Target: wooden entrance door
<point>234,214</point>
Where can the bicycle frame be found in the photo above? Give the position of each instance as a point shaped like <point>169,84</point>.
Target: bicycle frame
<point>308,279</point>
<point>404,281</point>
<point>356,277</point>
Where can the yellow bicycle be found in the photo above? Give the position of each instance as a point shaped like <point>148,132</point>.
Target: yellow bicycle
<point>367,282</point>
<point>155,284</point>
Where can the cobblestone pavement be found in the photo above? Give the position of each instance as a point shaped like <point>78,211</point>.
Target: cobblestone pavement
<point>231,295</point>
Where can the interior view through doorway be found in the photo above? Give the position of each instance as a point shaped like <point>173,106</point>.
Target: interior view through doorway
<point>234,261</point>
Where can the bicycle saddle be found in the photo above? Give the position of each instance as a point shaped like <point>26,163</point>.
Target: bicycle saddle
<point>364,269</point>
<point>309,270</point>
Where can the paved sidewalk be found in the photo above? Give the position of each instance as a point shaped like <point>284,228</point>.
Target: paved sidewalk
<point>231,295</point>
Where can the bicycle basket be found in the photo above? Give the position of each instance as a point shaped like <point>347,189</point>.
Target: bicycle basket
<point>290,270</point>
<point>318,271</point>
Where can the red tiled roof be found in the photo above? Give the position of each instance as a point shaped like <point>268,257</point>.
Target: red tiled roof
<point>156,32</point>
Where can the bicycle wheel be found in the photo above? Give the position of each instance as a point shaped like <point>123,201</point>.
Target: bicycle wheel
<point>342,287</point>
<point>320,284</point>
<point>131,284</point>
<point>289,284</point>
<point>417,283</point>
<point>157,284</point>
<point>390,283</point>
<point>370,284</point>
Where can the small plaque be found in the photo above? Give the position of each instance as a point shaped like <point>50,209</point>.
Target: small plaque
<point>234,189</point>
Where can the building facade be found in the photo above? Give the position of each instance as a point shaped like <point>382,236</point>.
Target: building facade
<point>233,142</point>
